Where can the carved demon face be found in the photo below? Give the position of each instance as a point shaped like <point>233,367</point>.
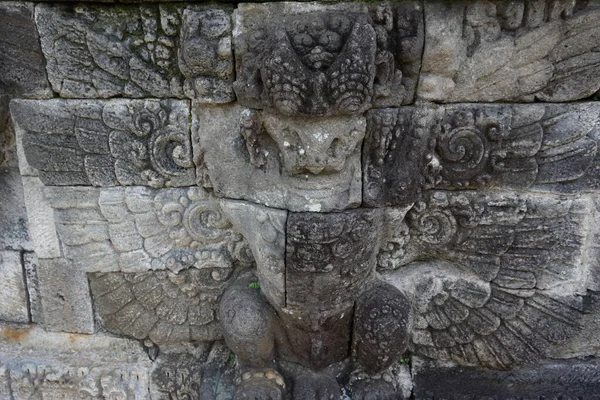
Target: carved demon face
<point>316,146</point>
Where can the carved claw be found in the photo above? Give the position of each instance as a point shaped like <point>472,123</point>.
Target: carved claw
<point>265,384</point>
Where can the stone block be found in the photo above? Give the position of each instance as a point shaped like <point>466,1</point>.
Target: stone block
<point>330,258</point>
<point>327,59</point>
<point>570,379</point>
<point>14,233</point>
<point>162,307</point>
<point>13,292</point>
<point>543,147</point>
<point>41,219</point>
<point>106,143</point>
<point>65,297</point>
<point>517,51</point>
<point>495,278</point>
<point>294,163</point>
<point>138,229</point>
<point>38,364</point>
<point>99,51</point>
<point>22,71</point>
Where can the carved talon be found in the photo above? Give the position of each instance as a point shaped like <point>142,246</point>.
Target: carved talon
<point>265,384</point>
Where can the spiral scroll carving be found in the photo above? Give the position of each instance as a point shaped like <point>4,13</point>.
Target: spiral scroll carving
<point>435,227</point>
<point>464,152</point>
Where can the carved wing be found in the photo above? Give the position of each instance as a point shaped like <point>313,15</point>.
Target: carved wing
<point>504,283</point>
<point>286,79</point>
<point>516,146</point>
<point>157,260</point>
<point>352,74</point>
<point>107,143</point>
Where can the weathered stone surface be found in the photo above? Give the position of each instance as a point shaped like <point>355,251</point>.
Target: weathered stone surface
<point>30,265</point>
<point>138,51</point>
<point>8,155</point>
<point>14,233</point>
<point>501,51</point>
<point>65,297</point>
<point>544,147</point>
<point>41,365</point>
<point>106,143</point>
<point>137,229</point>
<point>41,219</point>
<point>565,379</point>
<point>295,163</point>
<point>494,277</point>
<point>327,59</point>
<point>382,320</point>
<point>164,307</point>
<point>329,258</point>
<point>264,229</point>
<point>22,71</point>
<point>198,373</point>
<point>13,293</point>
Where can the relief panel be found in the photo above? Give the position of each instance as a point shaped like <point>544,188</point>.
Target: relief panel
<point>327,59</point>
<point>167,50</point>
<point>543,147</point>
<point>494,277</point>
<point>525,50</point>
<point>106,143</point>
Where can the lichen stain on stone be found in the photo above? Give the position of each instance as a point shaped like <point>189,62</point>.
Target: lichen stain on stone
<point>17,335</point>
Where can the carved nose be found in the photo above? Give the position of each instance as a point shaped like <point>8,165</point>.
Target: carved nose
<point>315,170</point>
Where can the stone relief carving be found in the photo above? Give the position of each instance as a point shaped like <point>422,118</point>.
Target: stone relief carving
<point>463,232</point>
<point>327,59</point>
<point>520,51</point>
<point>107,143</point>
<point>544,147</point>
<point>120,234</point>
<point>296,163</point>
<point>96,51</point>
<point>494,277</point>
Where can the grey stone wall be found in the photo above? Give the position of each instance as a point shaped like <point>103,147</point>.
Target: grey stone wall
<point>358,200</point>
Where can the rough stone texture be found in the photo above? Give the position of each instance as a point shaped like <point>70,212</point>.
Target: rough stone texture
<point>327,59</point>
<point>65,297</point>
<point>137,229</point>
<point>163,307</point>
<point>329,258</point>
<point>41,219</point>
<point>13,293</point>
<point>14,232</point>
<point>510,51</point>
<point>381,323</point>
<point>30,265</point>
<point>40,365</point>
<point>545,147</point>
<point>264,229</point>
<point>573,379</point>
<point>95,51</point>
<point>198,373</point>
<point>106,143</point>
<point>495,277</point>
<point>8,155</point>
<point>295,163</point>
<point>22,71</point>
